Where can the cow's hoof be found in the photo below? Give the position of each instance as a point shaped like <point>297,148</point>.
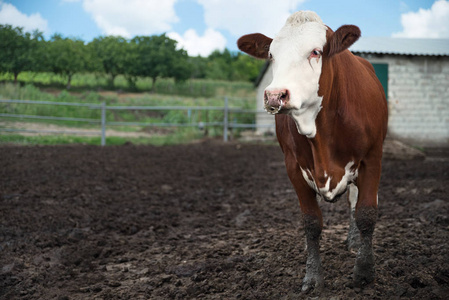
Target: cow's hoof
<point>313,283</point>
<point>363,275</point>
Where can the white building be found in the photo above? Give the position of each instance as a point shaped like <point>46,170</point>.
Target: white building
<point>415,76</point>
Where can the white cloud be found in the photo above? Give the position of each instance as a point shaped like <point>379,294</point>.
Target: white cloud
<point>9,14</point>
<point>426,23</point>
<point>132,17</point>
<point>246,16</point>
<point>200,45</point>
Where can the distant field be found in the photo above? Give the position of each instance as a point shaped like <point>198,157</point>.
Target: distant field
<point>89,82</point>
<point>242,95</point>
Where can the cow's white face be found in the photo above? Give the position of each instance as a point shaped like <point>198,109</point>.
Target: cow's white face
<point>297,58</point>
<point>296,54</point>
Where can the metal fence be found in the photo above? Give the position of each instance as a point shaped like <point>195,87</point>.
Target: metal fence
<point>225,123</point>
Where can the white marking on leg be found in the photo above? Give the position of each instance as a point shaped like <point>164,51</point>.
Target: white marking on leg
<point>353,195</point>
<point>310,181</point>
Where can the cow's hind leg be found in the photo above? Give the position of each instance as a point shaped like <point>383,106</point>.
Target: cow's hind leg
<point>365,218</point>
<point>353,239</point>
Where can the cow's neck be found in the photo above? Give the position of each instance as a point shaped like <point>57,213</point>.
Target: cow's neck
<point>326,143</point>
<point>306,120</point>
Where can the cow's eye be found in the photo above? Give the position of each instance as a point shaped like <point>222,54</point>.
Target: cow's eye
<point>315,53</point>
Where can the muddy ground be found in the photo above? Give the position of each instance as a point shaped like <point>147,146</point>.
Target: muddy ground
<point>203,221</point>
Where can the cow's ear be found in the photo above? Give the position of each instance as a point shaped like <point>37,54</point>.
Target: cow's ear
<point>256,44</point>
<point>342,39</point>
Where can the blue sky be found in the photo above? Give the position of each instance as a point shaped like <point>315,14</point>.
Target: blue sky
<point>201,26</point>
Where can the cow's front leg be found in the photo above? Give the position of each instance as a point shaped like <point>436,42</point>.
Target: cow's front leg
<point>366,217</point>
<point>364,264</point>
<point>313,224</point>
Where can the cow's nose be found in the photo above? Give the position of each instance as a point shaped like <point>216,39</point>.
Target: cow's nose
<point>275,99</point>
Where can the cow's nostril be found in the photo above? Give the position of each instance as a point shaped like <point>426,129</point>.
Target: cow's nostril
<point>283,95</point>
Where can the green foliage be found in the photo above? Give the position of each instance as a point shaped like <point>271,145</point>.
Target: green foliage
<point>234,67</point>
<point>180,137</point>
<point>18,50</point>
<point>220,65</point>
<point>82,82</point>
<point>27,92</point>
<point>157,56</point>
<point>145,63</point>
<point>48,140</point>
<point>66,57</point>
<point>159,137</point>
<point>108,57</point>
<point>246,68</point>
<point>199,67</point>
<point>176,117</point>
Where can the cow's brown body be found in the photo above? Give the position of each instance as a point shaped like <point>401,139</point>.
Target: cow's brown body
<point>350,129</point>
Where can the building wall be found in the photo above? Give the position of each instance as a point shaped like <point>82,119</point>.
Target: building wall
<point>264,119</point>
<point>418,98</point>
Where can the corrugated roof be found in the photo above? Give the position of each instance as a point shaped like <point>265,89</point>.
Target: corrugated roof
<point>401,46</point>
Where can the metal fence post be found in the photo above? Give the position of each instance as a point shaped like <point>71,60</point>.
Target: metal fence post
<point>103,123</point>
<point>225,121</point>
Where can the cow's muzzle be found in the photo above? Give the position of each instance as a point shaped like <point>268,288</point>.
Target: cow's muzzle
<point>275,100</point>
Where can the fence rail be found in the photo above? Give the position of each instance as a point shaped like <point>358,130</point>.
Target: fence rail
<point>226,124</point>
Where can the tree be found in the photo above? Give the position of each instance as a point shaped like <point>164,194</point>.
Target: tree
<point>66,57</point>
<point>181,68</point>
<point>132,68</point>
<point>18,50</point>
<point>157,56</point>
<point>226,65</point>
<point>246,68</point>
<point>220,65</point>
<point>109,55</point>
<point>199,66</point>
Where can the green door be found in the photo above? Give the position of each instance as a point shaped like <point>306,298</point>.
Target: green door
<point>382,73</point>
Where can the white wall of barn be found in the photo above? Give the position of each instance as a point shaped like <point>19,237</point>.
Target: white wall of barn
<point>264,119</point>
<point>418,98</point>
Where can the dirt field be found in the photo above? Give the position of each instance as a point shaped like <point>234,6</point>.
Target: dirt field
<point>203,221</point>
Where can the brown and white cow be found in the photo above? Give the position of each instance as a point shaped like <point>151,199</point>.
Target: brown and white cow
<point>331,121</point>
